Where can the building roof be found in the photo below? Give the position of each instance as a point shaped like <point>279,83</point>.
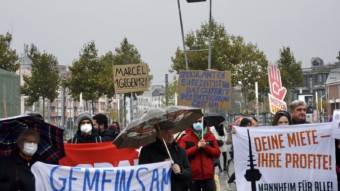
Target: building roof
<point>5,73</point>
<point>159,91</point>
<point>25,63</point>
<point>334,76</point>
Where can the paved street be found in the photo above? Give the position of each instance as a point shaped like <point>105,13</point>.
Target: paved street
<point>223,176</point>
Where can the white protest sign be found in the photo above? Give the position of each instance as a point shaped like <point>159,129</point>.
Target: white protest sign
<point>275,104</point>
<point>336,124</point>
<point>155,176</point>
<point>285,158</point>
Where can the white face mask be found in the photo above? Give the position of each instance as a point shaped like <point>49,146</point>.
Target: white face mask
<point>30,148</point>
<point>86,128</point>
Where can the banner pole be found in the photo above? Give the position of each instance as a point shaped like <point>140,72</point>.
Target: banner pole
<point>203,124</point>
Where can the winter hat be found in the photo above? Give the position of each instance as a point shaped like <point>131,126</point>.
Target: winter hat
<point>83,116</point>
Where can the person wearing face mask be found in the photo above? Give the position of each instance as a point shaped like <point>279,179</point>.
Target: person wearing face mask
<point>15,173</point>
<point>201,147</point>
<point>100,122</point>
<point>85,133</point>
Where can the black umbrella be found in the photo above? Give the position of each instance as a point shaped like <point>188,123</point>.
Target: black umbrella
<point>51,145</point>
<point>213,119</point>
<point>142,131</point>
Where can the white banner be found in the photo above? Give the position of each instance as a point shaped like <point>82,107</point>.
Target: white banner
<point>336,124</point>
<point>289,158</point>
<point>155,176</point>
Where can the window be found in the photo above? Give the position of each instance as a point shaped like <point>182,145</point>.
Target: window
<point>306,81</point>
<point>319,79</point>
<point>102,106</point>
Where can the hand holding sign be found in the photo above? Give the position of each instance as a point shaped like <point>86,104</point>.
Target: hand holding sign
<point>275,84</point>
<point>176,169</point>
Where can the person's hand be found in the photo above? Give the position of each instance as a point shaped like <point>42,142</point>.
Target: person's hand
<point>17,185</point>
<point>233,130</point>
<point>201,144</point>
<point>176,169</point>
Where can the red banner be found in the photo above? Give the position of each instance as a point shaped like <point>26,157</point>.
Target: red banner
<point>91,153</point>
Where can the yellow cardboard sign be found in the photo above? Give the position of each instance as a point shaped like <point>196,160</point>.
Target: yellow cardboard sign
<point>131,78</point>
<point>204,89</point>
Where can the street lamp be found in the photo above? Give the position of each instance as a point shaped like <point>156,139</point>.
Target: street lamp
<point>182,31</point>
<point>209,61</point>
<point>196,48</point>
<point>257,98</point>
<point>184,48</point>
<point>194,1</point>
<point>321,114</point>
<point>239,102</point>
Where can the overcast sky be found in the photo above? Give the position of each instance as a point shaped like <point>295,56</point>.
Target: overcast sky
<point>311,28</point>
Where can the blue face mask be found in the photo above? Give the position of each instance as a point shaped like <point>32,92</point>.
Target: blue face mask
<point>197,126</point>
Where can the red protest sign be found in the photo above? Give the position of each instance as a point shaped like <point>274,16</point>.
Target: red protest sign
<point>277,91</point>
<point>275,84</point>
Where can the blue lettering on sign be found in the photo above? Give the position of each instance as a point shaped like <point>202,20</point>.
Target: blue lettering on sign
<point>183,82</point>
<point>71,178</point>
<point>63,180</point>
<point>209,91</point>
<point>185,96</point>
<point>104,180</point>
<point>95,180</point>
<point>205,89</point>
<point>202,74</point>
<point>154,179</point>
<point>138,179</point>
<point>198,103</point>
<point>205,83</point>
<point>120,180</point>
<point>166,175</point>
<point>213,104</point>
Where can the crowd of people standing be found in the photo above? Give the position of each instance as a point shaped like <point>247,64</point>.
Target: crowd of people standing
<point>192,154</point>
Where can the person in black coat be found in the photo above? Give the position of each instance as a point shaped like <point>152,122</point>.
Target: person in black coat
<point>15,173</point>
<point>156,152</point>
<point>85,133</point>
<point>337,160</point>
<point>100,122</point>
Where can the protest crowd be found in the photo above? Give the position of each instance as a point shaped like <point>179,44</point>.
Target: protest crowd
<point>193,158</point>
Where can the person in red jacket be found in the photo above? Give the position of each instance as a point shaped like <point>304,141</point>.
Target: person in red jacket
<point>201,151</point>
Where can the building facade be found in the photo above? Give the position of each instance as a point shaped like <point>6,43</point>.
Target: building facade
<point>333,91</point>
<point>315,80</point>
<point>315,77</point>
